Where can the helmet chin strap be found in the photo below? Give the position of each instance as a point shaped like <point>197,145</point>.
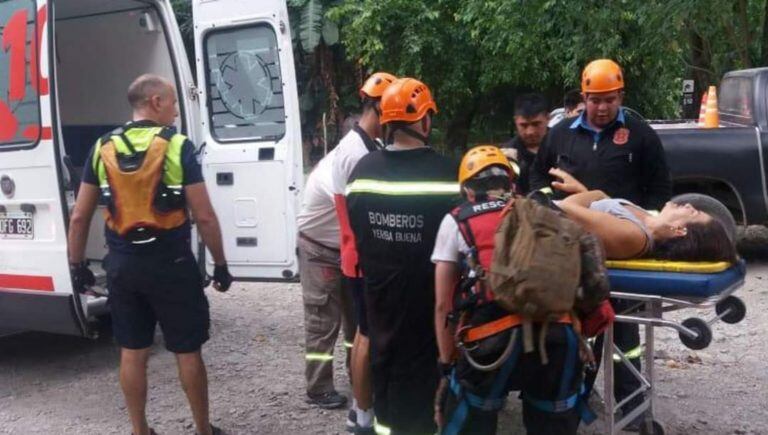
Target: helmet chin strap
<point>390,139</point>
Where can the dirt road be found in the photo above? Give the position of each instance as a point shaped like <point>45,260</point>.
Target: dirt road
<point>62,385</point>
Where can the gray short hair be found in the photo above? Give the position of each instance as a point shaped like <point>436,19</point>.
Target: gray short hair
<point>145,87</point>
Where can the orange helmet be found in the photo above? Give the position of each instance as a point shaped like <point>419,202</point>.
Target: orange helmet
<point>480,158</point>
<point>376,84</point>
<point>406,100</point>
<point>602,75</point>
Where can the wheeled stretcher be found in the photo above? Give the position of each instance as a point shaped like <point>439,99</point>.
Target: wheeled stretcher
<point>658,287</point>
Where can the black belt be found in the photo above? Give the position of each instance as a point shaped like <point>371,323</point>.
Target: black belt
<point>315,242</point>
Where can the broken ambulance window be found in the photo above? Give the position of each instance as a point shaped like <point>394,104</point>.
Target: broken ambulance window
<point>245,98</point>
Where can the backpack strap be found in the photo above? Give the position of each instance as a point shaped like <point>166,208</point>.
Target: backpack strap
<point>463,213</point>
<point>166,133</point>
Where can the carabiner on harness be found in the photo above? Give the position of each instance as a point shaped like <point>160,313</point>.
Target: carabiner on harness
<point>496,364</point>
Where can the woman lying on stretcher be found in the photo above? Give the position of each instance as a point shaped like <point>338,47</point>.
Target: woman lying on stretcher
<point>678,232</point>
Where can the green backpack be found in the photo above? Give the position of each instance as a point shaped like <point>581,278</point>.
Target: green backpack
<point>544,266</point>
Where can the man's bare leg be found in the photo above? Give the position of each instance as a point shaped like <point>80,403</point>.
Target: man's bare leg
<point>133,380</point>
<point>361,372</point>
<point>194,380</point>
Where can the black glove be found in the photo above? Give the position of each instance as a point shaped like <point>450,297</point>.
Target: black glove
<point>82,277</point>
<point>221,278</point>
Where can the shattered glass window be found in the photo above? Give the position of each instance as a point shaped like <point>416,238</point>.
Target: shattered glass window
<point>245,98</point>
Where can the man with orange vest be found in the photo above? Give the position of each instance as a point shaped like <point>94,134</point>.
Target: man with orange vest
<point>608,149</point>
<point>147,176</point>
<point>396,198</point>
<point>363,139</point>
<point>470,397</point>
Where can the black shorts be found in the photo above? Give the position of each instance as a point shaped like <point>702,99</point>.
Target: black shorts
<point>356,287</point>
<point>145,290</point>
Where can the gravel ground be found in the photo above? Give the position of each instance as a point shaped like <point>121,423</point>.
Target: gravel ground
<point>63,385</point>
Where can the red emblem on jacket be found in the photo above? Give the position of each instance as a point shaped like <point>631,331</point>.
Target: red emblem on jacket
<point>621,136</point>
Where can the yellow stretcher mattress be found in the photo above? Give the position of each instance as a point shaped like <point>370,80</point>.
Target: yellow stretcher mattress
<point>669,266</point>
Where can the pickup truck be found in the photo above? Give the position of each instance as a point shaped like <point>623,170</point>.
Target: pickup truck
<point>728,162</point>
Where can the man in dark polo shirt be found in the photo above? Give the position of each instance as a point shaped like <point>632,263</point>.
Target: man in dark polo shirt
<point>147,176</point>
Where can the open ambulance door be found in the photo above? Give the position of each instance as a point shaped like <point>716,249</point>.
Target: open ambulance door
<point>35,284</point>
<point>251,154</point>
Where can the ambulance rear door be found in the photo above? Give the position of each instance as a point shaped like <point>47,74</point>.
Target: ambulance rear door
<point>251,154</point>
<point>35,284</point>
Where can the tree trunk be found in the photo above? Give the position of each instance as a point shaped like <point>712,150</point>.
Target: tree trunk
<point>700,70</point>
<point>746,43</point>
<point>457,131</point>
<point>764,48</point>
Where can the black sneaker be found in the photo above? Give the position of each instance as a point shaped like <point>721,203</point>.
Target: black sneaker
<point>329,400</point>
<point>352,426</point>
<point>351,420</point>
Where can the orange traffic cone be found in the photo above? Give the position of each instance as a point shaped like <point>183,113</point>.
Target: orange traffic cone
<point>703,109</point>
<point>712,116</point>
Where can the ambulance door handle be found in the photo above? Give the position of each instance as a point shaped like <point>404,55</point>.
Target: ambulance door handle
<point>225,178</point>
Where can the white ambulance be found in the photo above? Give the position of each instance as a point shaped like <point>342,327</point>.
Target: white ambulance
<point>65,66</point>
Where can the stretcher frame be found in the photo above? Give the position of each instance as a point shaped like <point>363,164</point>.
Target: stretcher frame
<point>650,315</point>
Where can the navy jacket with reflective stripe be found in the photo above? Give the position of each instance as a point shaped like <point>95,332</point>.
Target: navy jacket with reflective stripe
<point>396,201</point>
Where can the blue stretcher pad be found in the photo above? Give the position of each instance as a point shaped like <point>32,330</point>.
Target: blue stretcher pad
<point>676,284</point>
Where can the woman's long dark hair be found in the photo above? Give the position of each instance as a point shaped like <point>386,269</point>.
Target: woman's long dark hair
<point>707,241</point>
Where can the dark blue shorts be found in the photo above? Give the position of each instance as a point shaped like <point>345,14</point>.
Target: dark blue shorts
<point>146,290</point>
<point>355,288</point>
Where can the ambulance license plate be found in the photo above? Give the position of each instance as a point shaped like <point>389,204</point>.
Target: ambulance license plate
<point>16,226</point>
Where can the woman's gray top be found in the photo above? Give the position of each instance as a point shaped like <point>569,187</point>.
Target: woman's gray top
<point>620,209</point>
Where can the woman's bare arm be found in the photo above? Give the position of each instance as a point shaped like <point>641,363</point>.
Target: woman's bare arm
<point>585,199</point>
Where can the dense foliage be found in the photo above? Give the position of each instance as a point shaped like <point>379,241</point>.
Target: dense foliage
<point>477,55</point>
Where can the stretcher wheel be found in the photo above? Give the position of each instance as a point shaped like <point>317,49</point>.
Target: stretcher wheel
<point>657,429</point>
<point>736,308</point>
<point>703,334</point>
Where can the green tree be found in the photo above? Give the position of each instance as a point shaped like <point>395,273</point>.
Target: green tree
<point>422,39</point>
<point>722,36</point>
<point>472,51</point>
<point>325,77</point>
<point>183,11</point>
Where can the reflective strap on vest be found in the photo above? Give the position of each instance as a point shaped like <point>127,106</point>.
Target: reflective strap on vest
<point>141,138</point>
<point>403,188</point>
<point>348,345</point>
<point>381,429</point>
<point>319,357</point>
<point>633,353</point>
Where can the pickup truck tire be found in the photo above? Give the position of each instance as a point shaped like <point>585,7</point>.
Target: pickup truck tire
<point>712,207</point>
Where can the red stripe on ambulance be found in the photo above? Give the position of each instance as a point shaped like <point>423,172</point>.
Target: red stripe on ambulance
<point>26,282</point>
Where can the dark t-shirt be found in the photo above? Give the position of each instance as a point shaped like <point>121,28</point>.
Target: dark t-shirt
<point>625,160</point>
<point>396,200</point>
<point>173,241</point>
<point>525,160</point>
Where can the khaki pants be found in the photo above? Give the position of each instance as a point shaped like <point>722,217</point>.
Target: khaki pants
<point>327,308</point>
